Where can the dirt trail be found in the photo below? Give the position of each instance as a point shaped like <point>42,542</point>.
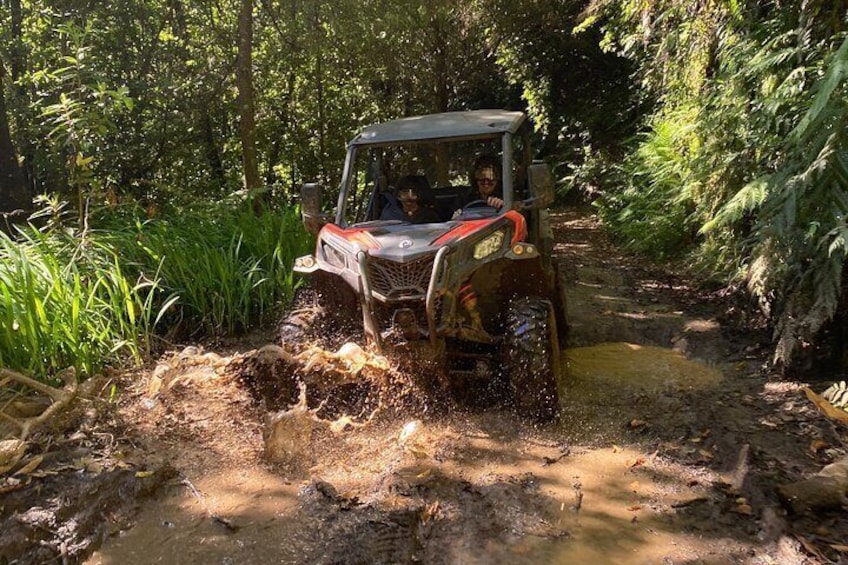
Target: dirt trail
<point>671,442</point>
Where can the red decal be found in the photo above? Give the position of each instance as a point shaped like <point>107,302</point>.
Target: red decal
<point>355,235</point>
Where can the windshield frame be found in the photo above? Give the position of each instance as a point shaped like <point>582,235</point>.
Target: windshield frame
<point>504,139</point>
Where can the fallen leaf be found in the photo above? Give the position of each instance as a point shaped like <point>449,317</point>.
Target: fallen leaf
<point>615,448</point>
<point>744,509</point>
<point>631,463</point>
<point>417,451</point>
<point>634,508</point>
<point>143,474</point>
<point>636,424</point>
<point>706,456</point>
<point>634,486</point>
<point>31,466</point>
<point>817,445</point>
<point>430,511</point>
<point>154,386</point>
<point>840,548</point>
<point>810,547</point>
<point>826,407</point>
<point>11,451</point>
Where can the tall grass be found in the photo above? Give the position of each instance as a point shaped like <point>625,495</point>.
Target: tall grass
<point>229,269</point>
<point>67,300</point>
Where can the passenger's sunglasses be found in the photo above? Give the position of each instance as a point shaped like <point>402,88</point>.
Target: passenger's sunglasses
<point>485,181</point>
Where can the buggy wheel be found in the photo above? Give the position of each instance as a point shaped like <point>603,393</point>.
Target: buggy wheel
<point>532,358</point>
<point>300,320</point>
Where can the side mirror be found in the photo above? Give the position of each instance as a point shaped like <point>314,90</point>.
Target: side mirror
<point>541,182</point>
<point>310,207</point>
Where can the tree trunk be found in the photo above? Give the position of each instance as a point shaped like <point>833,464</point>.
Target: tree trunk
<point>244,83</point>
<point>319,91</point>
<point>213,156</point>
<point>14,196</point>
<point>17,58</point>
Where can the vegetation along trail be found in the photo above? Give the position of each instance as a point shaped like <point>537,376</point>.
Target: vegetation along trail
<point>671,444</point>
<point>152,167</point>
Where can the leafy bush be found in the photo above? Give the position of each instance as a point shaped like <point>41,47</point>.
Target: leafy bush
<point>745,164</point>
<point>653,212</point>
<point>86,298</point>
<point>228,268</point>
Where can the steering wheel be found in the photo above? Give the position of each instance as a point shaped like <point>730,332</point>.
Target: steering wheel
<point>478,204</point>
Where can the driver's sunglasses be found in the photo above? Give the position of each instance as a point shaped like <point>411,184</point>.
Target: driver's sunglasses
<point>485,181</point>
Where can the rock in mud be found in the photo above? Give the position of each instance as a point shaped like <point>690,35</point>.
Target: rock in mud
<point>826,490</point>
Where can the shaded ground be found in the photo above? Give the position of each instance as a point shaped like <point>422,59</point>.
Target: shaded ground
<point>671,444</point>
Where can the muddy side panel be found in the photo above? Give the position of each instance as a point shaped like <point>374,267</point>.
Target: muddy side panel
<point>496,284</point>
<point>339,301</point>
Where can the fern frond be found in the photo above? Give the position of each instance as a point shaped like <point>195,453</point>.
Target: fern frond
<point>748,199</point>
<point>837,72</point>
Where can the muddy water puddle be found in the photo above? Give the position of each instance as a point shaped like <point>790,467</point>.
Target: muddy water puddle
<point>637,366</point>
<point>606,387</point>
<point>456,493</point>
<point>476,487</point>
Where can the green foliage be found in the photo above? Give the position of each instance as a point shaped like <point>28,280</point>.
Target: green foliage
<point>68,302</point>
<point>653,214</point>
<point>82,299</point>
<point>801,232</point>
<point>763,176</point>
<point>228,269</point>
<point>580,98</point>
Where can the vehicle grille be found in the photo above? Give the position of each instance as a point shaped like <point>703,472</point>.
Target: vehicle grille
<point>396,280</point>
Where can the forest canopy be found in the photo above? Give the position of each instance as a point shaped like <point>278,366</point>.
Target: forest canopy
<point>711,131</point>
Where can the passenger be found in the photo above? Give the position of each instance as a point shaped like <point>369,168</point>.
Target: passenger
<point>417,199</point>
<point>390,207</point>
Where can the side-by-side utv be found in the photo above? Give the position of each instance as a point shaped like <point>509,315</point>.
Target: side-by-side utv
<point>475,292</point>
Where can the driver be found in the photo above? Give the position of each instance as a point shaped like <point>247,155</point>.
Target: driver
<point>417,200</point>
<point>485,183</point>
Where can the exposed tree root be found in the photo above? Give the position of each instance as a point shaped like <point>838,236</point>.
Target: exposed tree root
<point>13,446</point>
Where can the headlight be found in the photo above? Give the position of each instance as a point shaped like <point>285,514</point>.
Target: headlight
<point>333,256</point>
<point>489,245</point>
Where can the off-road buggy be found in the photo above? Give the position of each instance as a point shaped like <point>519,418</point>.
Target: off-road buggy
<point>476,294</point>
